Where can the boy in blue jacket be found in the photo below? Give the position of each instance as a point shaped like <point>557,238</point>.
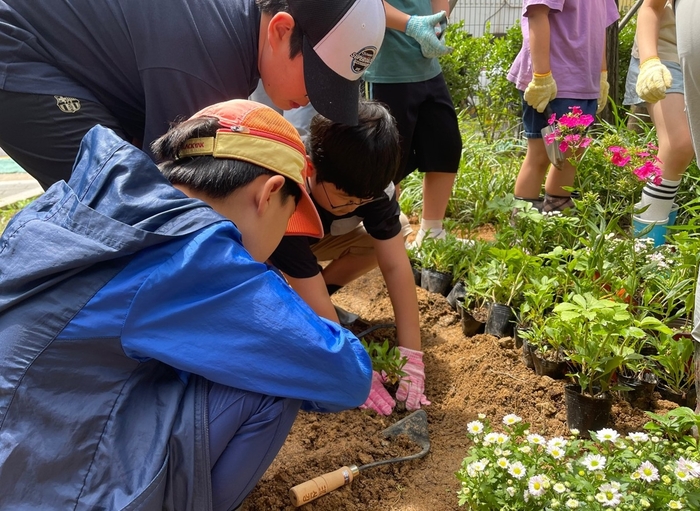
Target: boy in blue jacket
<point>149,358</point>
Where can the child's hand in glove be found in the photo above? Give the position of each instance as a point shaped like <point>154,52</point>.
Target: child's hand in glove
<point>423,30</point>
<point>412,386</point>
<point>653,80</point>
<point>540,91</point>
<point>379,398</point>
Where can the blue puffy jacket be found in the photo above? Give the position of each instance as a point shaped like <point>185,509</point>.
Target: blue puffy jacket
<point>120,298</point>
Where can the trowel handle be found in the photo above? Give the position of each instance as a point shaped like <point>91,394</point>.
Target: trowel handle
<point>311,490</point>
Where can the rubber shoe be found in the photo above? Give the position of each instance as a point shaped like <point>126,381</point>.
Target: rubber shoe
<point>556,203</point>
<point>657,232</point>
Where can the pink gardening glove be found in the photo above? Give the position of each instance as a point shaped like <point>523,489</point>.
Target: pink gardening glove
<point>412,386</point>
<point>379,398</point>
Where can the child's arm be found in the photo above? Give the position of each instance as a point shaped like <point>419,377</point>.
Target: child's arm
<point>314,292</point>
<point>654,78</point>
<point>396,270</point>
<point>542,88</point>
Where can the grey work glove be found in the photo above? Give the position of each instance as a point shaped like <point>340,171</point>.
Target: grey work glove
<point>427,30</point>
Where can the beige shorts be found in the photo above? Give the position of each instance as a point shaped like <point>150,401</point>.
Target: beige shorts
<point>356,242</point>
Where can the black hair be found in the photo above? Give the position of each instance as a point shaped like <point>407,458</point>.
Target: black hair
<point>215,177</point>
<point>272,7</point>
<point>359,160</point>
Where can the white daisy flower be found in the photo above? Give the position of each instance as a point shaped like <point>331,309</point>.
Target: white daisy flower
<point>638,437</point>
<point>608,495</point>
<point>502,462</point>
<point>536,439</point>
<point>517,470</point>
<point>555,452</point>
<point>559,488</point>
<point>648,472</point>
<point>557,441</point>
<point>675,504</point>
<point>511,419</point>
<point>572,504</point>
<point>511,491</point>
<point>475,427</point>
<point>537,485</point>
<point>594,462</point>
<point>607,435</point>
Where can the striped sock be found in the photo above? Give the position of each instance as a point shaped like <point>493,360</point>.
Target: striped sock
<point>659,198</point>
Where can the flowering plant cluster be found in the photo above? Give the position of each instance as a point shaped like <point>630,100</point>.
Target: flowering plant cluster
<point>644,162</point>
<point>568,132</point>
<point>515,469</point>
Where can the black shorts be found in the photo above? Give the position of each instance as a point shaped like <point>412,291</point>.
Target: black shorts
<point>427,122</point>
<point>42,133</point>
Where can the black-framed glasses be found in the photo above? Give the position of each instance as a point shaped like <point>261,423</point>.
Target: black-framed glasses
<point>361,202</point>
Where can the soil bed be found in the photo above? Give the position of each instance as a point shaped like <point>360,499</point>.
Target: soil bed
<point>464,377</point>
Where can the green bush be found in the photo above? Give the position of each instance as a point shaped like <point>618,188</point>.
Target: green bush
<point>475,73</point>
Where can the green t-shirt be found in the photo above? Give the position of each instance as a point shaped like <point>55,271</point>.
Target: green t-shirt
<point>400,59</point>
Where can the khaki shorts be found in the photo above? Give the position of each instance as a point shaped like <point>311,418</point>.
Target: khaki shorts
<point>356,242</point>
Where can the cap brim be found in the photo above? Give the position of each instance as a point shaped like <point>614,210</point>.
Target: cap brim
<point>333,96</point>
<point>305,220</point>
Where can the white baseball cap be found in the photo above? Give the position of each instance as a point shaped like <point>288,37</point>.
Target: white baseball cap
<point>340,40</point>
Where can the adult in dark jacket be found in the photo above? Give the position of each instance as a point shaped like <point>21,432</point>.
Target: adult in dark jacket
<point>149,358</point>
<point>135,66</point>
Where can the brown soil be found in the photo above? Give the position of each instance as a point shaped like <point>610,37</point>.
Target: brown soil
<point>464,377</point>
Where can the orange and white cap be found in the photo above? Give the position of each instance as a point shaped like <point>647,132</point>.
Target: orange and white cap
<point>255,133</point>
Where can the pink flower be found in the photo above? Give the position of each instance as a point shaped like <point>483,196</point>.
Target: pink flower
<point>552,119</point>
<point>550,138</point>
<point>648,171</point>
<point>619,156</point>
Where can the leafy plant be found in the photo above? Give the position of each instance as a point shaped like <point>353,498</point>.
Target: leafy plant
<point>386,359</point>
<point>599,336</point>
<point>676,424</point>
<point>674,362</point>
<point>516,469</point>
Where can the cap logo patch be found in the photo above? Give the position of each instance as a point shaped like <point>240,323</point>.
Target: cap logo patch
<point>362,59</point>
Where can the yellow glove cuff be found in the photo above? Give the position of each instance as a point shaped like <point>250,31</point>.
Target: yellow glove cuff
<point>538,75</point>
<point>650,59</point>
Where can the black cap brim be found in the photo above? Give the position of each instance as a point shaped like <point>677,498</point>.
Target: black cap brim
<point>333,96</point>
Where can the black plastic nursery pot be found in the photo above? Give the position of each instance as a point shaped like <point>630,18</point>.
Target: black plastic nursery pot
<point>555,369</point>
<point>527,355</point>
<point>517,335</point>
<point>641,389</point>
<point>417,275</point>
<point>436,281</point>
<point>500,321</point>
<point>456,296</point>
<point>586,413</point>
<point>470,325</point>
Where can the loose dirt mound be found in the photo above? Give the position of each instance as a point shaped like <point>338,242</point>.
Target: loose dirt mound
<point>464,377</point>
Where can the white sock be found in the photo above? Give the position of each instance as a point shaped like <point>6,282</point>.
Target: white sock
<point>434,226</point>
<point>659,198</point>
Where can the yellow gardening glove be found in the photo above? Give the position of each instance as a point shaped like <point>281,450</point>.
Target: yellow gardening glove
<point>603,94</point>
<point>540,91</point>
<point>653,80</point>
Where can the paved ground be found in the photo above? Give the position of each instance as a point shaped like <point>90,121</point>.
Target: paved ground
<point>17,184</point>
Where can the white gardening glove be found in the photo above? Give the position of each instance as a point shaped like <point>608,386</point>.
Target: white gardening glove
<point>540,91</point>
<point>604,90</point>
<point>379,398</point>
<point>653,80</point>
<point>423,29</point>
<point>412,386</point>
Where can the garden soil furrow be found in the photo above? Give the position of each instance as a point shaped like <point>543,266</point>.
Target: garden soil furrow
<point>464,377</point>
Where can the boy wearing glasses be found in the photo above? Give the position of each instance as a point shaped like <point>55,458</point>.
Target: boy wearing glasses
<point>351,187</point>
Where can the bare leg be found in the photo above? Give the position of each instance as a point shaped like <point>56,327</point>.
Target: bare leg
<point>437,189</point>
<point>675,144</point>
<point>533,170</point>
